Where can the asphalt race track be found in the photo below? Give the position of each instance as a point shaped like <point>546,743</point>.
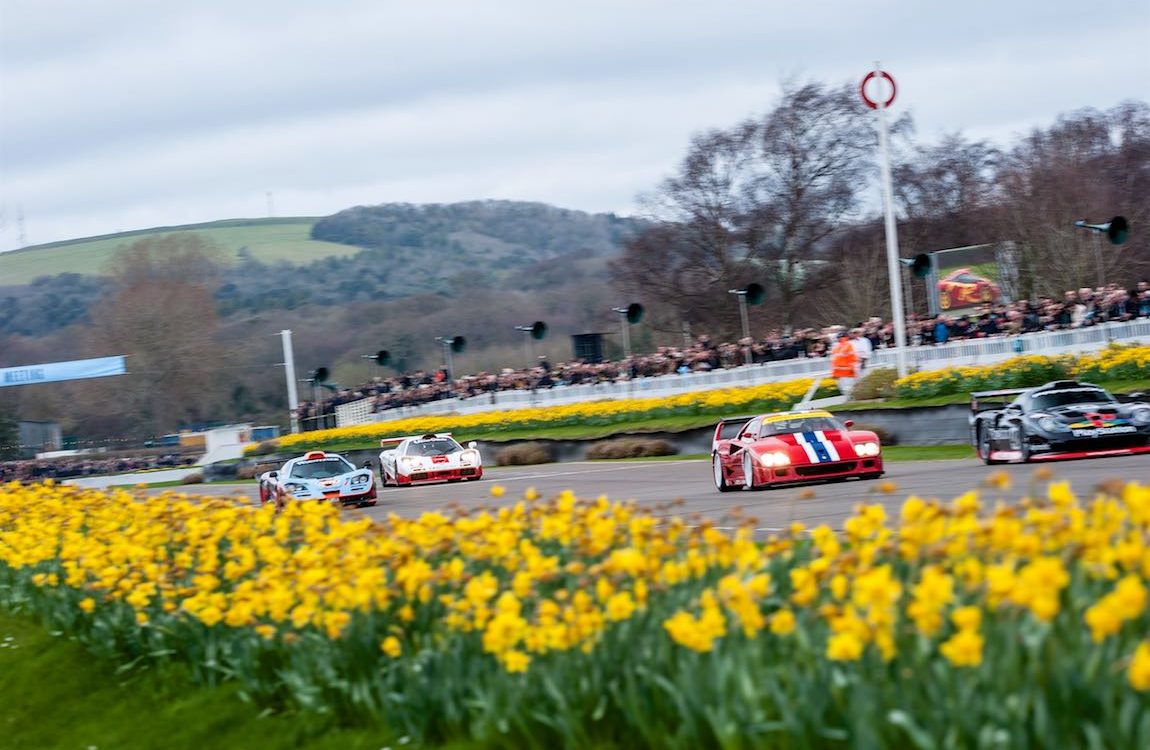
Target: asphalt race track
<point>654,483</point>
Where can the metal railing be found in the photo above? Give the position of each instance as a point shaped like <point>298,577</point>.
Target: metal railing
<point>929,357</point>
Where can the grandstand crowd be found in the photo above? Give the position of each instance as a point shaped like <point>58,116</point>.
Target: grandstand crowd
<point>1076,309</point>
<point>67,467</point>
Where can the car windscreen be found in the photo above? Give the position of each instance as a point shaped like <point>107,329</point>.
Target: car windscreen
<point>1053,399</point>
<point>439,447</point>
<point>800,424</point>
<point>321,468</point>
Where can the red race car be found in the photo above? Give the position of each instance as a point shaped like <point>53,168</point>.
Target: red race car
<point>962,288</point>
<point>790,447</point>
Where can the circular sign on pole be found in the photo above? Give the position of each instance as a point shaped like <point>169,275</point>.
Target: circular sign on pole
<point>873,104</point>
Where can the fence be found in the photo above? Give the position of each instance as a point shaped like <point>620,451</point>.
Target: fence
<point>966,352</point>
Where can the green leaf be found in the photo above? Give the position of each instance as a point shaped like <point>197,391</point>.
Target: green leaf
<point>919,736</point>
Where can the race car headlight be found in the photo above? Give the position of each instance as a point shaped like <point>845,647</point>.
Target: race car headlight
<point>867,449</point>
<point>1141,415</point>
<point>1051,424</point>
<point>358,479</point>
<point>294,487</point>
<point>774,458</point>
<point>469,457</point>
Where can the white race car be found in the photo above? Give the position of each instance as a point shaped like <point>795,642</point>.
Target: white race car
<point>428,458</point>
<point>317,475</point>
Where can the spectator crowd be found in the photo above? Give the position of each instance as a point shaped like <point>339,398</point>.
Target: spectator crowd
<point>66,467</point>
<point>1076,309</point>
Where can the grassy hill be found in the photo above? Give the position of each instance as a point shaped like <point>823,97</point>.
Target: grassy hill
<point>268,240</point>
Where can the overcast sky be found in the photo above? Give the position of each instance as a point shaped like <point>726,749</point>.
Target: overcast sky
<point>128,114</point>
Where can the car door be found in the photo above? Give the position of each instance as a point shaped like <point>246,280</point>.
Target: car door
<point>739,444</point>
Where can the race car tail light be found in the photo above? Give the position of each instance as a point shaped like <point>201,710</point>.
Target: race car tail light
<point>867,449</point>
<point>775,458</point>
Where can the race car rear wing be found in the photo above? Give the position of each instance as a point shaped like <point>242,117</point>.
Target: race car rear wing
<point>384,442</point>
<point>720,428</point>
<point>996,399</point>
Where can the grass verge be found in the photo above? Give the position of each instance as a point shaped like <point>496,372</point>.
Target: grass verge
<point>58,696</point>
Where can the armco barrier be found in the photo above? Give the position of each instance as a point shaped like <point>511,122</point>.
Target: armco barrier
<point>966,352</point>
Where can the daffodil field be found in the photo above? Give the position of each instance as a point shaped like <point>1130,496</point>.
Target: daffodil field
<point>720,402</point>
<point>576,622</point>
<point>1116,362</point>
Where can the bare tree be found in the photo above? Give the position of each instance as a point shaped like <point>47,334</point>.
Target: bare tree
<point>945,190</point>
<point>1089,164</point>
<point>752,203</point>
<point>162,315</point>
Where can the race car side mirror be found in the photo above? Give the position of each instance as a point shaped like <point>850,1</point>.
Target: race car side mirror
<point>367,464</point>
<point>273,474</point>
<point>849,423</point>
<point>473,444</point>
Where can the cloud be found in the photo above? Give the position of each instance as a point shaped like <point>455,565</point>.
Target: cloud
<point>121,112</point>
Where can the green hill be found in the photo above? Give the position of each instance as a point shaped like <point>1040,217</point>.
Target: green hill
<point>268,240</point>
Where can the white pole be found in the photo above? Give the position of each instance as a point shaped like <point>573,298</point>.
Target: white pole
<point>893,270</point>
<point>626,335</point>
<point>289,373</point>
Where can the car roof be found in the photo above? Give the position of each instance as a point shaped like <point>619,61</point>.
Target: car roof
<point>314,456</point>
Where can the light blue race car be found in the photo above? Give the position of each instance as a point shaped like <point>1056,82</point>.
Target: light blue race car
<point>318,475</point>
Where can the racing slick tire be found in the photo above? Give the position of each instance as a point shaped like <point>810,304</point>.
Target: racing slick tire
<point>944,299</point>
<point>1023,447</point>
<point>721,483</point>
<point>749,471</point>
<point>982,445</point>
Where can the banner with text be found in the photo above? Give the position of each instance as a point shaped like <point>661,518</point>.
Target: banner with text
<point>54,372</point>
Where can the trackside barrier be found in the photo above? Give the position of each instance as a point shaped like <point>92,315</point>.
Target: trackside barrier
<point>966,352</point>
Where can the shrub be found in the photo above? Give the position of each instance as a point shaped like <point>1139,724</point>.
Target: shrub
<point>878,383</point>
<point>196,478</point>
<point>250,472</point>
<point>885,436</point>
<point>524,454</point>
<point>631,448</point>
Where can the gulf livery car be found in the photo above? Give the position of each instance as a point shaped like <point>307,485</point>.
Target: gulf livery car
<point>428,458</point>
<point>790,447</point>
<point>317,475</point>
<point>1061,419</point>
<point>962,288</point>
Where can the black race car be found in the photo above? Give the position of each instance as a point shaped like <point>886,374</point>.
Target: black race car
<point>1062,419</point>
